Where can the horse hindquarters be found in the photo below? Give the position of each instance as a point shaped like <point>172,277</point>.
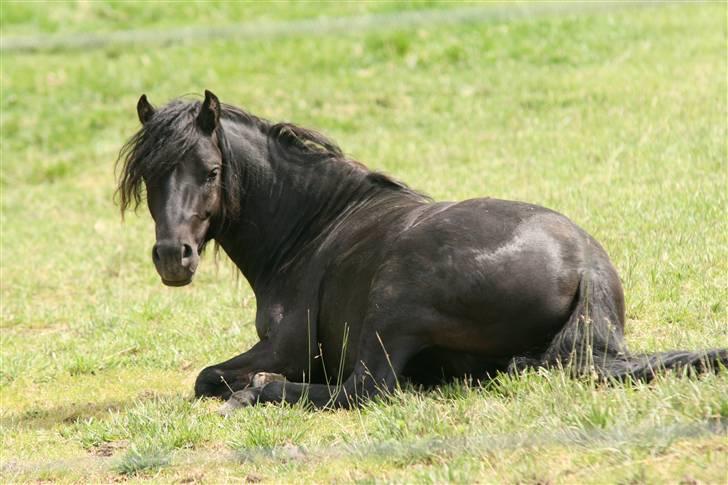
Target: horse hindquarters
<point>593,334</point>
<point>592,339</point>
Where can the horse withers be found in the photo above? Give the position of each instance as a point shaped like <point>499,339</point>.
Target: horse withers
<point>360,280</point>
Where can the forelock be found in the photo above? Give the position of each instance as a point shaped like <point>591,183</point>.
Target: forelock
<point>156,149</point>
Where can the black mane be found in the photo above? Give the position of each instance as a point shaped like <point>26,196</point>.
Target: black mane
<point>162,141</point>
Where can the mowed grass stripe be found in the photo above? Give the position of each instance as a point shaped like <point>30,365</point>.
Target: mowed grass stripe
<point>317,26</point>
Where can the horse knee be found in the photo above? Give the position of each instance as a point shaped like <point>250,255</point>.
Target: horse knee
<point>215,382</point>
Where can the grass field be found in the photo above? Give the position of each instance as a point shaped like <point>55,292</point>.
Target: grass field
<point>613,115</point>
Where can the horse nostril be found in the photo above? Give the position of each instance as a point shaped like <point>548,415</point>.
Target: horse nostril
<point>186,251</point>
<point>155,254</point>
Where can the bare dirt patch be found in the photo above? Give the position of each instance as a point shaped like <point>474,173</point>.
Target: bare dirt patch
<point>110,448</point>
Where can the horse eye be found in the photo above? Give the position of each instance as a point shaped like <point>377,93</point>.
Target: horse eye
<point>213,174</point>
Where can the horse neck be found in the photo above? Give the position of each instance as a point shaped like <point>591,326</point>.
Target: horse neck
<point>285,205</point>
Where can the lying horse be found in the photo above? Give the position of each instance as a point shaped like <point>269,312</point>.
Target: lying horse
<point>359,277</point>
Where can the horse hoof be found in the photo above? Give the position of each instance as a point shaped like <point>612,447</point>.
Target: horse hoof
<point>262,378</point>
<point>239,399</point>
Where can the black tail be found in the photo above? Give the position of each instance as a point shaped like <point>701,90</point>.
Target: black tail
<point>646,367</point>
<point>592,341</point>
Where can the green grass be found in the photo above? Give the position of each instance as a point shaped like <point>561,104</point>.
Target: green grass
<point>615,117</point>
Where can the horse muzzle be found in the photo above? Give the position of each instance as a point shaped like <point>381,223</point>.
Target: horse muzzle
<point>175,261</point>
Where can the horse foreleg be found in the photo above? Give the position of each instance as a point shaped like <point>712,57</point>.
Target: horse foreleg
<point>221,380</point>
<point>375,374</point>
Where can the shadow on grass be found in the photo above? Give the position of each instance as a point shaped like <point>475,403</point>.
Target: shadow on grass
<point>69,413</point>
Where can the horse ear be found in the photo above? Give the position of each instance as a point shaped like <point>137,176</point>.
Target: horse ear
<point>144,109</point>
<point>209,115</point>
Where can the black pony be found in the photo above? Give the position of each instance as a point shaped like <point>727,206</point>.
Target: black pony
<point>359,279</point>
